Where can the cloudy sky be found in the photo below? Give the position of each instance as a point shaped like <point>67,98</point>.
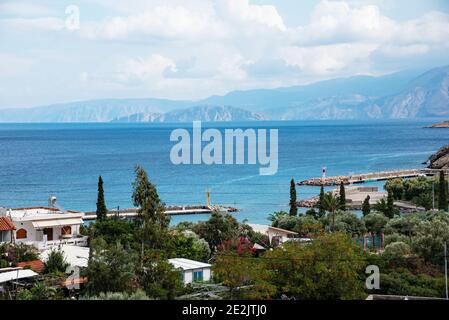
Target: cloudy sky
<point>193,49</point>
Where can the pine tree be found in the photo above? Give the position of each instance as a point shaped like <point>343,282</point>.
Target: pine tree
<point>366,208</point>
<point>293,205</point>
<point>342,198</point>
<point>390,205</point>
<point>152,217</point>
<point>102,211</point>
<point>442,193</point>
<point>321,205</point>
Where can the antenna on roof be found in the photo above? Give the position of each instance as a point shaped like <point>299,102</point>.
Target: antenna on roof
<point>52,202</point>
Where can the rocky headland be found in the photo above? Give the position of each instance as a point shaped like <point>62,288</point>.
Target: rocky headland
<point>444,124</point>
<point>440,159</point>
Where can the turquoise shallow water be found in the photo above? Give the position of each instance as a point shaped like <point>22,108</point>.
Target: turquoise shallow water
<point>37,160</point>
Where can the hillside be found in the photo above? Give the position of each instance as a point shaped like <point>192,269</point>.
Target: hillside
<point>403,95</point>
<point>202,113</point>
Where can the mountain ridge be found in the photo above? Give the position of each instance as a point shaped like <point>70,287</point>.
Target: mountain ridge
<point>402,95</point>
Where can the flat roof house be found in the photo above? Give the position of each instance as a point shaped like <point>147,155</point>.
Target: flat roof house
<point>192,271</point>
<point>44,227</point>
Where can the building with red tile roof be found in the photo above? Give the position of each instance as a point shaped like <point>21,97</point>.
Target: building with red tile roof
<point>35,265</point>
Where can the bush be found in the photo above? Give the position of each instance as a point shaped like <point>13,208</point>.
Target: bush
<point>138,295</point>
<point>19,252</point>
<point>396,237</point>
<point>56,262</point>
<point>397,249</point>
<point>405,283</point>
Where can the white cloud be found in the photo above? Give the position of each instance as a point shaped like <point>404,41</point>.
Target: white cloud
<point>329,59</point>
<point>24,9</point>
<point>159,23</point>
<point>136,71</point>
<point>243,12</point>
<point>191,49</point>
<point>33,24</point>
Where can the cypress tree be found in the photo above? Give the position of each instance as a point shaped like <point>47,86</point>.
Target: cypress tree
<point>442,193</point>
<point>390,205</point>
<point>101,205</point>
<point>321,205</point>
<point>342,198</point>
<point>366,208</point>
<point>293,206</point>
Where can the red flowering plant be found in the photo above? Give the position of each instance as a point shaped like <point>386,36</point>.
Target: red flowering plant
<point>240,246</point>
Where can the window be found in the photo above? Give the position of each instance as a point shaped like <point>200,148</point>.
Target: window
<point>21,234</point>
<point>66,230</point>
<point>198,275</point>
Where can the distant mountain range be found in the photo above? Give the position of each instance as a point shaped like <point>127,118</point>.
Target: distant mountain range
<point>202,113</point>
<point>403,95</point>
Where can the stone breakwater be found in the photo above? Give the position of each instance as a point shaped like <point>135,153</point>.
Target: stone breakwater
<point>366,177</point>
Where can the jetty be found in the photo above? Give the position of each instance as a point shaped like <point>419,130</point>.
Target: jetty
<point>171,211</point>
<point>367,177</point>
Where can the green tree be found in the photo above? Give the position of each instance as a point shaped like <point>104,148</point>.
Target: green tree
<point>219,228</point>
<point>293,204</point>
<point>430,238</point>
<point>233,264</point>
<point>331,204</point>
<point>442,193</point>
<point>189,246</point>
<point>322,210</point>
<point>375,223</point>
<point>308,226</point>
<point>390,205</point>
<point>39,291</point>
<point>102,211</point>
<point>56,262</point>
<point>396,187</point>
<point>159,279</point>
<point>110,268</point>
<point>113,230</point>
<point>349,223</point>
<point>342,197</point>
<point>308,272</point>
<point>154,222</point>
<point>366,207</point>
<point>381,206</point>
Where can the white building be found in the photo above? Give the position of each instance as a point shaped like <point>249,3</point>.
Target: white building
<point>192,271</point>
<point>275,235</point>
<point>46,226</point>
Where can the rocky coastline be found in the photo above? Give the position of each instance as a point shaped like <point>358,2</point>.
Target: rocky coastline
<point>440,159</point>
<point>444,124</point>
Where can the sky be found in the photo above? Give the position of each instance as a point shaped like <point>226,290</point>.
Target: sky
<point>54,51</point>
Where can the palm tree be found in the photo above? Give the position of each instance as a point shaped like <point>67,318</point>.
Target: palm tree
<point>331,204</point>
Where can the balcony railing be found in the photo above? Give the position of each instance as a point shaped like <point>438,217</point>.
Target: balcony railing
<point>76,241</point>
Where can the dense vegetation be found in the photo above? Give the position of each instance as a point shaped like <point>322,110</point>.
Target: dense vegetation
<point>129,258</point>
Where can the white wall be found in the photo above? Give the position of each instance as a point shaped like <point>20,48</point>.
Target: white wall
<point>188,275</point>
<point>37,235</point>
<point>32,234</point>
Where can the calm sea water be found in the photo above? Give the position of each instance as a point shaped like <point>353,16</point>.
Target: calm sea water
<point>38,160</point>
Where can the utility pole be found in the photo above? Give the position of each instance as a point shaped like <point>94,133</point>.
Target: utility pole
<point>445,268</point>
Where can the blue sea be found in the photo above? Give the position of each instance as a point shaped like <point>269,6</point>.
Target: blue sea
<point>65,160</point>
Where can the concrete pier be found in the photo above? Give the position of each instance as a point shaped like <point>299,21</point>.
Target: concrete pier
<point>367,177</point>
<point>171,211</point>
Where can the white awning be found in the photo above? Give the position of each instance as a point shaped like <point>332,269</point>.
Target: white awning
<point>16,275</point>
<point>56,223</point>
